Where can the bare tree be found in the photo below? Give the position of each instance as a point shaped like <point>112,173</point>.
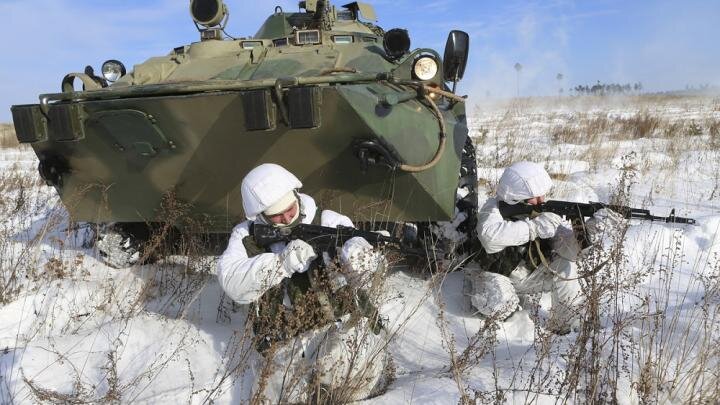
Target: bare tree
<point>518,68</point>
<point>560,78</point>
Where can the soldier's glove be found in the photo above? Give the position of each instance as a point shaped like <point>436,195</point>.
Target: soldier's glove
<point>566,244</point>
<point>297,256</point>
<point>604,223</point>
<point>359,256</point>
<point>546,224</point>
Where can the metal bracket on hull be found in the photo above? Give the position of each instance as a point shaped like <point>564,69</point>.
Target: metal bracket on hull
<point>259,110</point>
<point>371,152</point>
<point>66,122</point>
<point>30,123</point>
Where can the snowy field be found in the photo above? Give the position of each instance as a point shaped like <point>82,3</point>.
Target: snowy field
<point>73,330</point>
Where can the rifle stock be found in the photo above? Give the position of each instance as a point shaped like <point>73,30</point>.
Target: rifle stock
<point>572,210</point>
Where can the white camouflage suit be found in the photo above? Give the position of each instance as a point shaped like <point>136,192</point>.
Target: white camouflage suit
<point>495,295</point>
<point>324,352</point>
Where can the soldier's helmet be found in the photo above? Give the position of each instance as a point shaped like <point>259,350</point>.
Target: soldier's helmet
<point>268,188</point>
<point>523,180</point>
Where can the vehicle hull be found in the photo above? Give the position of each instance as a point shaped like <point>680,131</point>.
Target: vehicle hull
<point>133,159</point>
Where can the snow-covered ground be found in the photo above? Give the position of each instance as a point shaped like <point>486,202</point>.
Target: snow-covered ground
<point>74,330</point>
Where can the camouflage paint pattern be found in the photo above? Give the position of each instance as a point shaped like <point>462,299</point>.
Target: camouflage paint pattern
<point>178,123</point>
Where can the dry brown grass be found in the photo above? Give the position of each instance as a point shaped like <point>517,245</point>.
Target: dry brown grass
<point>692,128</point>
<point>713,130</point>
<point>596,358</point>
<point>584,130</point>
<point>672,129</point>
<point>713,127</point>
<point>7,136</point>
<point>716,104</point>
<point>169,288</point>
<point>641,125</point>
<point>666,356</point>
<point>587,103</point>
<point>601,131</point>
<point>589,129</point>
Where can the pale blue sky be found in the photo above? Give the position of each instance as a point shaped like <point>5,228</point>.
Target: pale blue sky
<point>664,44</point>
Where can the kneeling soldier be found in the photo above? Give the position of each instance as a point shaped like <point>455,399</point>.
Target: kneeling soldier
<point>524,256</point>
<point>317,333</point>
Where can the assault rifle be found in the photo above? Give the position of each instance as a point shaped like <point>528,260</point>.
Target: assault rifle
<point>575,210</point>
<point>323,237</point>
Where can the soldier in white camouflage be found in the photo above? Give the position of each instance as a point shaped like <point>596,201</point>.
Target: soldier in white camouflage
<point>524,256</point>
<point>316,330</point>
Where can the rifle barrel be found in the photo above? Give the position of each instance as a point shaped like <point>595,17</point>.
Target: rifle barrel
<point>571,209</point>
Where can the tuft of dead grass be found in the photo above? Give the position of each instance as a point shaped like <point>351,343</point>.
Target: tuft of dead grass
<point>641,125</point>
<point>713,130</point>
<point>7,136</point>
<point>693,129</point>
<point>585,129</point>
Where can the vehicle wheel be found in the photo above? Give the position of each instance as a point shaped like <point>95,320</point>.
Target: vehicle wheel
<point>459,236</point>
<point>120,245</point>
<point>467,202</point>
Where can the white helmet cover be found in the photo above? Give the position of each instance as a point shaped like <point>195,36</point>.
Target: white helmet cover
<point>264,186</point>
<point>523,180</point>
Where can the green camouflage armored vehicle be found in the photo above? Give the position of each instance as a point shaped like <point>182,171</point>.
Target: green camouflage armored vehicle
<point>372,128</point>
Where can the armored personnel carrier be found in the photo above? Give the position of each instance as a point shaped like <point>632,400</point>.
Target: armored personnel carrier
<point>372,127</point>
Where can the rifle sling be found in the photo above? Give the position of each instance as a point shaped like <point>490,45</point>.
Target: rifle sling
<point>559,277</point>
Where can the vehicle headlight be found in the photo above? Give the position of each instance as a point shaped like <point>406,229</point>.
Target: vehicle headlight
<point>425,68</point>
<point>112,70</point>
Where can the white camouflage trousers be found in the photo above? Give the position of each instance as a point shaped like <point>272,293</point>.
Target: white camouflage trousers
<point>561,281</point>
<point>494,295</point>
<point>497,296</point>
<point>344,363</point>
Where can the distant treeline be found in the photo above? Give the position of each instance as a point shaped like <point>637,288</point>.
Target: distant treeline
<point>601,89</point>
